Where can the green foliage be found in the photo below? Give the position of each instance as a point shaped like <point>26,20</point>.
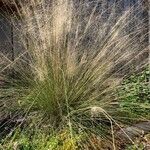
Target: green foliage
<point>136,89</point>
<point>134,94</point>
<point>134,147</point>
<point>39,140</point>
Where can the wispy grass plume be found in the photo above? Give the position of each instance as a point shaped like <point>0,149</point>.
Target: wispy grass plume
<point>75,54</point>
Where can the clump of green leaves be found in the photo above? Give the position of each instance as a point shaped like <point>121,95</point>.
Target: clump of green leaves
<point>32,139</point>
<point>134,94</point>
<point>134,147</point>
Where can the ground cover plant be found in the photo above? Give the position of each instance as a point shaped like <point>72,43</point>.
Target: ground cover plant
<point>74,58</point>
<point>135,91</point>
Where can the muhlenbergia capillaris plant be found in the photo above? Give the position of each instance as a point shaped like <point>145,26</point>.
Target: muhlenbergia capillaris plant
<point>74,56</point>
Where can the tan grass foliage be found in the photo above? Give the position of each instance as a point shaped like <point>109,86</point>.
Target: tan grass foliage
<point>78,52</point>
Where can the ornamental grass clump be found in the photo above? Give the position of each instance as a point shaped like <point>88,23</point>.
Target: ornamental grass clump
<point>74,56</point>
